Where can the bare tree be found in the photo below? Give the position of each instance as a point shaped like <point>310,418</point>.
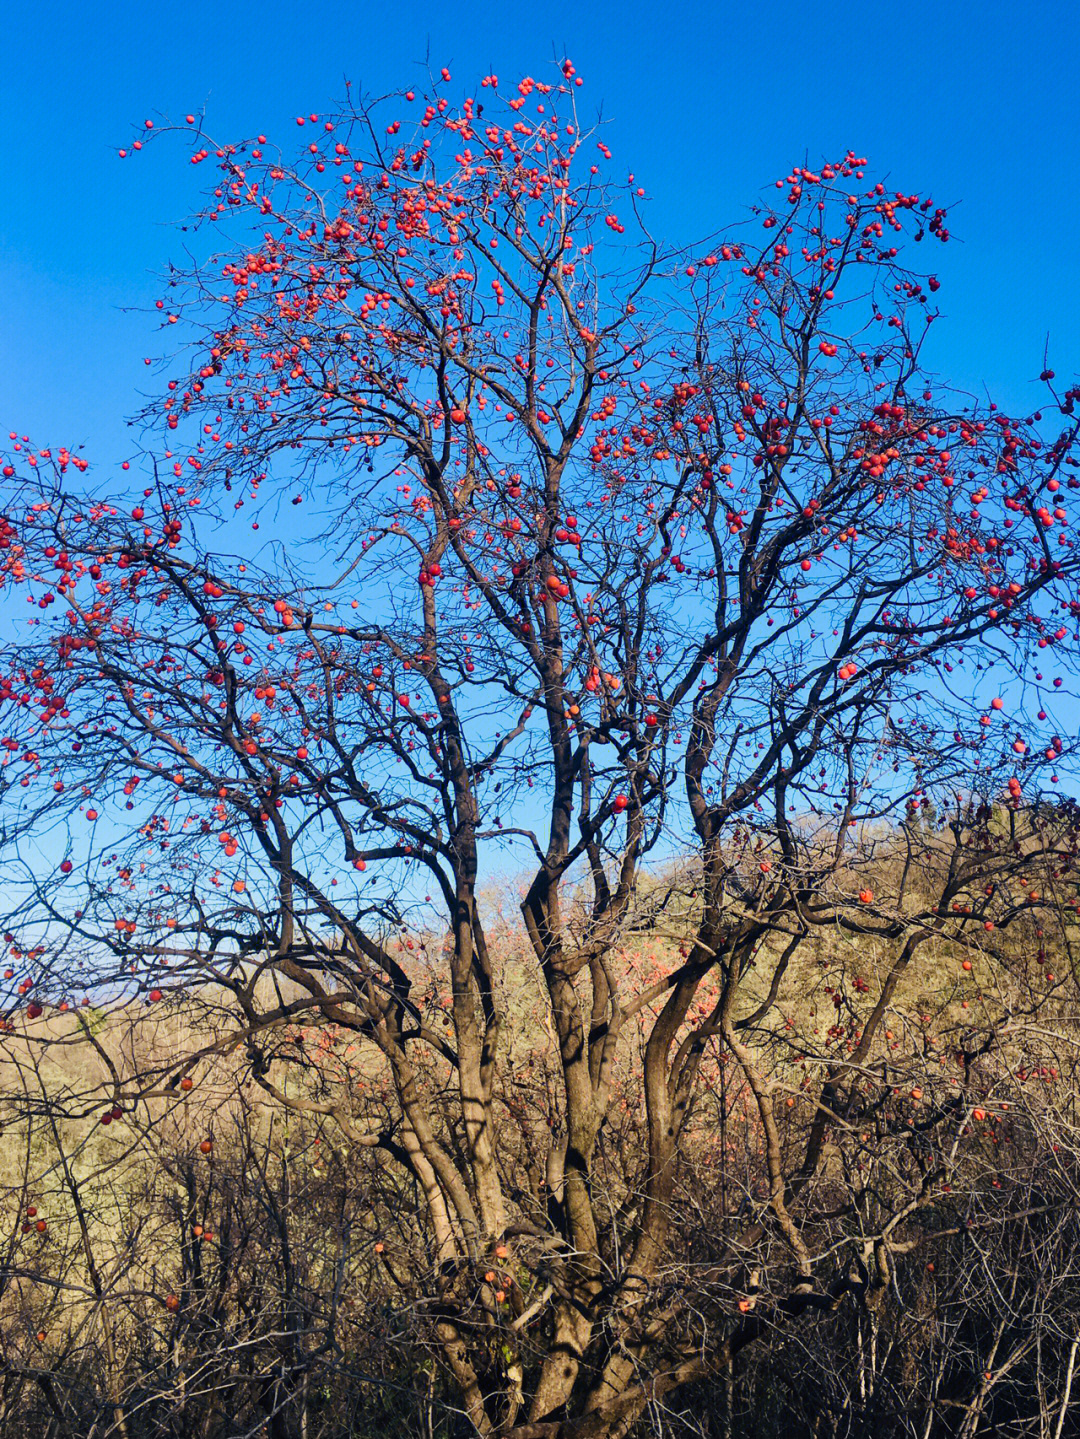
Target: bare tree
<point>669,580</point>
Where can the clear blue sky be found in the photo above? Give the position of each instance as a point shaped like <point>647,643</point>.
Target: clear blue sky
<point>708,104</point>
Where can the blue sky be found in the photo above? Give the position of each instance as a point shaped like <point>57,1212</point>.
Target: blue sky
<point>707,104</point>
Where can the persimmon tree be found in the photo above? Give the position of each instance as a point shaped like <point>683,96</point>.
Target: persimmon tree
<point>666,577</point>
